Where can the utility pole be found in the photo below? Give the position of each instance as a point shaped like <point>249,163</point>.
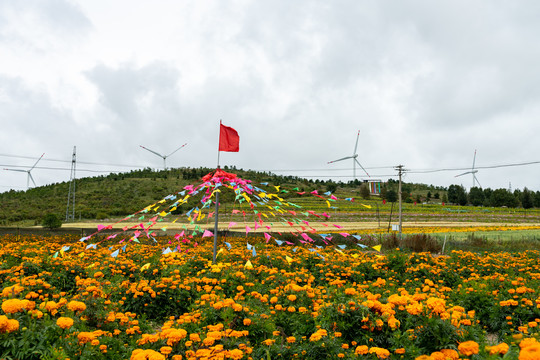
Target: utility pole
<point>71,192</point>
<point>400,173</point>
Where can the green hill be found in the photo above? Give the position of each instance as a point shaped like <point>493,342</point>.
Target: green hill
<point>121,194</point>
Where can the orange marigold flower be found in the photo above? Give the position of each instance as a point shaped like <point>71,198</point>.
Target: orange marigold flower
<point>247,322</point>
<point>500,349</point>
<point>291,339</point>
<point>361,350</point>
<point>64,322</point>
<point>12,306</point>
<point>450,354</point>
<point>76,306</point>
<point>380,352</point>
<point>531,352</point>
<point>165,350</point>
<point>468,348</point>
<point>12,325</point>
<point>235,354</point>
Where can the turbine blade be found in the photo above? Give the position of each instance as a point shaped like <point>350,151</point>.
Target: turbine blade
<point>152,151</point>
<point>465,173</point>
<point>474,159</point>
<point>362,167</point>
<point>475,178</point>
<point>356,146</point>
<point>31,178</point>
<point>15,170</point>
<point>345,158</point>
<point>354,169</point>
<point>176,150</point>
<point>37,162</point>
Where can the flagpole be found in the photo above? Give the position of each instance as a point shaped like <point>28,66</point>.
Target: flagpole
<point>217,206</point>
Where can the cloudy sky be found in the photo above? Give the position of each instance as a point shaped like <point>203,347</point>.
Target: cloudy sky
<point>425,82</point>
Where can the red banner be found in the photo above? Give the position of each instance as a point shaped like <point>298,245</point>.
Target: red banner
<point>228,139</point>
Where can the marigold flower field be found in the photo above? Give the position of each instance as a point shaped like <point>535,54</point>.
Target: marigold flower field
<point>284,303</point>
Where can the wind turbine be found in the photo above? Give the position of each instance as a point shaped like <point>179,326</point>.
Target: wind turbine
<point>473,172</point>
<point>28,172</point>
<point>353,157</point>
<point>163,156</point>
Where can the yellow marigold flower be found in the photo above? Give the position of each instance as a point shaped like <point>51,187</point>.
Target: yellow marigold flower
<point>269,342</point>
<point>468,348</point>
<point>64,322</point>
<point>12,306</point>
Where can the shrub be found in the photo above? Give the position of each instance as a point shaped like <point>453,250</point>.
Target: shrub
<point>51,221</point>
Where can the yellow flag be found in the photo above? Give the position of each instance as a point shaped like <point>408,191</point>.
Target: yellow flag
<point>277,188</point>
<point>289,260</point>
<point>219,252</point>
<point>377,247</point>
<point>248,265</point>
<point>368,206</point>
<point>354,255</point>
<point>339,251</point>
<point>163,213</point>
<point>81,254</point>
<point>145,267</point>
<point>328,203</point>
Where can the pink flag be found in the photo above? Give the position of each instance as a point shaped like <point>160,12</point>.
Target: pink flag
<point>267,236</point>
<point>231,224</point>
<point>207,233</point>
<point>248,229</point>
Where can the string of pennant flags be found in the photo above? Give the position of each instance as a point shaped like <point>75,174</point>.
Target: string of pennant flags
<point>266,206</point>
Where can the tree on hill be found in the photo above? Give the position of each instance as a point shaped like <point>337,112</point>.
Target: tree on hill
<point>391,195</point>
<point>364,191</point>
<point>476,196</point>
<point>457,195</point>
<point>527,199</point>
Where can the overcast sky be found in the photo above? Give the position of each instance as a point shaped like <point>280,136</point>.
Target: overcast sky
<point>425,82</point>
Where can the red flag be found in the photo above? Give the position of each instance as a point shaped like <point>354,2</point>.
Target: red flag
<point>228,139</point>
